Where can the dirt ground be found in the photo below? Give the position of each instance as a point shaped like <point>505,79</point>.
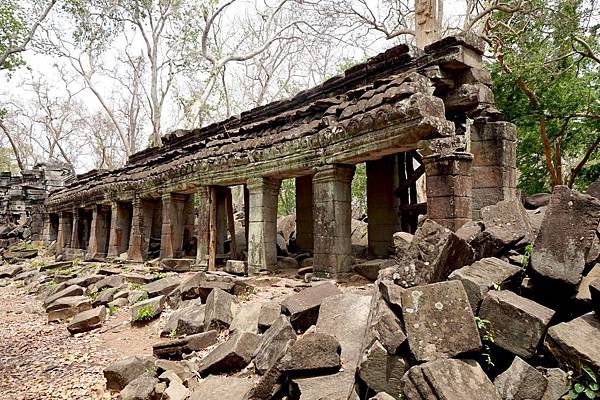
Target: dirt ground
<point>43,361</point>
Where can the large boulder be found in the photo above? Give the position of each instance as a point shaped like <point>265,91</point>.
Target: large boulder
<point>120,373</point>
<point>68,307</point>
<point>191,321</point>
<point>521,382</point>
<point>246,319</point>
<point>448,379</point>
<point>269,312</point>
<point>433,254</point>
<point>162,287</point>
<point>576,342</point>
<point>273,344</point>
<point>518,324</point>
<point>69,291</point>
<point>230,356</point>
<point>509,221</point>
<point>484,275</point>
<point>303,307</point>
<point>565,238</point>
<point>439,321</point>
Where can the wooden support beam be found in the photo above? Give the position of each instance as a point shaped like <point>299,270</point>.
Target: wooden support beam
<point>411,180</point>
<point>230,223</point>
<point>212,248</point>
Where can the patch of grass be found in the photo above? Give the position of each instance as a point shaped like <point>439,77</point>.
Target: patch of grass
<point>135,286</point>
<point>158,275</point>
<point>112,309</point>
<point>145,313</point>
<point>36,263</point>
<point>143,296</point>
<point>527,256</point>
<point>173,333</point>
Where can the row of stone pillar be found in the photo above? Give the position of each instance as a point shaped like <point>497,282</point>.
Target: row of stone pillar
<point>323,216</point>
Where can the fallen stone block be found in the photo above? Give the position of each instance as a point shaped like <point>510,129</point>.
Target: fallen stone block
<point>191,321</point>
<point>284,263</point>
<point>147,310</point>
<point>584,295</point>
<point>382,371</point>
<point>370,269</point>
<point>162,287</point>
<point>313,353</point>
<point>85,281</point>
<point>87,320</point>
<point>345,317</point>
<point>230,356</point>
<point>175,391</point>
<point>119,303</point>
<point>68,307</point>
<point>183,369</point>
<point>434,253</point>
<point>106,296</point>
<point>448,379</point>
<point>382,396</point>
<point>175,349</point>
<point>11,271</point>
<point>177,264</point>
<point>137,278</point>
<point>246,319</point>
<point>518,324</point>
<point>509,217</point>
<point>576,342</point>
<point>122,372</point>
<point>537,200</point>
<point>565,238</point>
<point>484,275</point>
<point>269,313</point>
<point>521,382</point>
<point>594,289</point>
<point>219,310</point>
<point>115,281</point>
<point>385,326</point>
<point>273,344</point>
<point>559,383</point>
<point>235,267</point>
<point>141,388</point>
<point>439,321</point>
<point>221,388</point>
<point>303,307</point>
<point>70,291</point>
<point>391,293</point>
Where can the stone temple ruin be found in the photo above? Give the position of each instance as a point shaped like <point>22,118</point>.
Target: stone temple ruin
<point>405,115</point>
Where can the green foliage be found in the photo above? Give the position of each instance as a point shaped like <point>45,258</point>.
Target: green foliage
<point>286,202</point>
<point>37,263</point>
<point>537,47</point>
<point>359,190</point>
<point>487,338</point>
<point>112,309</point>
<point>145,313</point>
<point>173,333</point>
<point>135,286</point>
<point>158,275</point>
<point>527,256</point>
<point>143,296</point>
<point>13,30</point>
<point>585,386</point>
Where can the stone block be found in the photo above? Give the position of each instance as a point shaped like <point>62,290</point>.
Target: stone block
<point>219,310</point>
<point>448,379</point>
<point>595,296</point>
<point>518,324</point>
<point>269,313</point>
<point>576,342</point>
<point>385,326</point>
<point>439,321</point>
<point>230,356</point>
<point>509,216</point>
<point>565,237</point>
<point>191,321</point>
<point>559,383</point>
<point>521,382</point>
<point>120,373</point>
<point>382,371</point>
<point>273,344</point>
<point>303,307</point>
<point>370,269</point>
<point>313,353</point>
<point>236,267</point>
<point>162,287</point>
<point>146,310</point>
<point>482,276</point>
<point>434,253</point>
<point>69,291</point>
<point>221,388</point>
<point>68,307</point>
<point>175,349</point>
<point>141,388</point>
<point>246,319</point>
<point>87,320</point>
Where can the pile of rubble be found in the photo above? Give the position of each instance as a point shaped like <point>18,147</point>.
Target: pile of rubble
<point>505,308</point>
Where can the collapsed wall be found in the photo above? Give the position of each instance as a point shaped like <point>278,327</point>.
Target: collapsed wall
<point>22,198</point>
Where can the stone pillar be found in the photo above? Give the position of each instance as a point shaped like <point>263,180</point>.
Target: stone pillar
<point>494,148</point>
<point>138,241</point>
<point>203,225</point>
<point>171,242</point>
<point>65,231</point>
<point>449,188</point>
<point>262,224</point>
<point>120,228</point>
<point>51,227</point>
<point>99,231</point>
<point>221,218</point>
<point>382,205</point>
<point>189,232</point>
<point>304,213</point>
<point>332,215</point>
<point>75,231</point>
